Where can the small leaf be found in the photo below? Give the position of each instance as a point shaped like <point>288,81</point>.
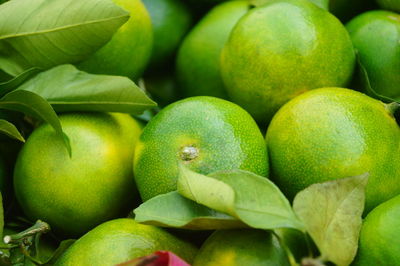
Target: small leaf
<point>331,212</point>
<point>158,258</point>
<point>173,210</point>
<point>253,199</point>
<point>10,130</point>
<point>13,83</point>
<point>46,33</point>
<point>32,104</point>
<point>68,89</point>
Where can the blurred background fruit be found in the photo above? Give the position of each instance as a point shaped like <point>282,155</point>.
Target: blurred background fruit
<point>333,133</point>
<point>198,60</point>
<point>282,49</point>
<point>380,236</point>
<point>129,50</point>
<point>205,134</point>
<point>171,19</point>
<point>241,247</point>
<point>74,194</point>
<point>121,240</point>
<point>376,35</point>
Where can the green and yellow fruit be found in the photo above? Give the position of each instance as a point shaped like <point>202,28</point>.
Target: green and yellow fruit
<point>380,236</point>
<point>74,194</point>
<point>122,240</point>
<point>241,247</point>
<point>204,133</point>
<point>333,133</point>
<point>376,36</point>
<point>129,50</point>
<point>198,61</point>
<point>282,49</point>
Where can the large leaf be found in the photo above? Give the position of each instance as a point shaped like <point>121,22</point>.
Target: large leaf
<point>10,130</point>
<point>32,104</point>
<point>45,33</point>
<point>332,213</point>
<point>69,89</point>
<point>173,210</point>
<point>13,83</point>
<point>253,199</point>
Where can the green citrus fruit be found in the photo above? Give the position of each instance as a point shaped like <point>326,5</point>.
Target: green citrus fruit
<point>74,194</point>
<point>380,236</point>
<point>121,240</point>
<point>129,50</point>
<point>282,49</point>
<point>204,133</point>
<point>241,247</point>
<point>171,19</point>
<point>376,36</point>
<point>198,68</point>
<point>390,4</point>
<point>333,133</point>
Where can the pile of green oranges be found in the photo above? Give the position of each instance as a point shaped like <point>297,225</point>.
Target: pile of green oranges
<point>273,87</point>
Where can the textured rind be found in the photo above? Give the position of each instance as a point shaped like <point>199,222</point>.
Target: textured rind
<point>380,236</point>
<point>121,240</point>
<point>282,49</point>
<point>225,135</point>
<point>333,133</point>
<point>96,184</point>
<point>241,247</point>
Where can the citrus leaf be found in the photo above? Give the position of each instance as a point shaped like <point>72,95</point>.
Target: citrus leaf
<point>173,210</point>
<point>69,89</point>
<point>13,83</point>
<point>331,213</point>
<point>45,33</point>
<point>32,104</point>
<point>10,130</point>
<point>253,199</point>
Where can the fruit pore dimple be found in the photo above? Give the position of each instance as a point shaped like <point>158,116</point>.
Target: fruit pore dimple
<point>189,153</point>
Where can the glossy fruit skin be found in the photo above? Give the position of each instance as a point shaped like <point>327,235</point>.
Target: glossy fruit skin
<point>393,5</point>
<point>380,236</point>
<point>121,240</point>
<point>96,184</point>
<point>198,61</point>
<point>129,50</point>
<point>333,133</point>
<point>241,247</point>
<point>282,49</point>
<point>171,19</point>
<point>224,135</point>
<point>376,37</point>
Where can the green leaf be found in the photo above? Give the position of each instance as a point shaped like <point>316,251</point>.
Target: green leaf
<point>253,199</point>
<point>331,212</point>
<point>173,210</point>
<point>10,130</point>
<point>69,89</point>
<point>32,104</point>
<point>13,83</point>
<point>45,33</point>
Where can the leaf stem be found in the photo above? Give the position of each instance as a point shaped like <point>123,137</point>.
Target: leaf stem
<point>38,228</point>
